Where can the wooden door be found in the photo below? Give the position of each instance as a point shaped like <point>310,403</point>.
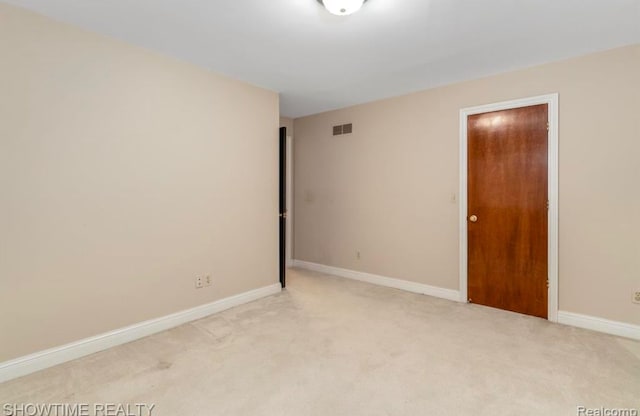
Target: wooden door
<point>283,207</point>
<point>508,209</point>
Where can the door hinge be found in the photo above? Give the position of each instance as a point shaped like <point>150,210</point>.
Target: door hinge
<point>548,205</point>
<point>547,126</point>
<point>547,283</point>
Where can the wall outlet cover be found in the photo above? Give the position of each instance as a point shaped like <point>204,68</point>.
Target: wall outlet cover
<point>199,282</point>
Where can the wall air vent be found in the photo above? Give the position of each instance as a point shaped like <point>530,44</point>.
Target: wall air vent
<point>343,129</point>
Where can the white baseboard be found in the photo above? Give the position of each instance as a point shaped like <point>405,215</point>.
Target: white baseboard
<point>566,318</point>
<point>593,323</point>
<point>414,287</point>
<point>58,355</point>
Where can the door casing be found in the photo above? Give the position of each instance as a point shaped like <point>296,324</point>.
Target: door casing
<point>289,233</point>
<point>552,101</point>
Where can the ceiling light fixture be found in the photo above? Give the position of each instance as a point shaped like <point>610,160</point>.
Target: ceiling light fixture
<point>342,7</point>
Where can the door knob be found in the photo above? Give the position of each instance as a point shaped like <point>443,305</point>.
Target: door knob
<point>473,218</point>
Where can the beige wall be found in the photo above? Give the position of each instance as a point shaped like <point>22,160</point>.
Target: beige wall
<point>386,190</point>
<point>124,175</point>
<point>288,123</point>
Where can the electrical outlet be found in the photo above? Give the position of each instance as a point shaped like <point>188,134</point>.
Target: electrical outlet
<point>207,280</point>
<point>636,297</point>
<point>199,282</point>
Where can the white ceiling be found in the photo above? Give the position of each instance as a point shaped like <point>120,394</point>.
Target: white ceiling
<point>318,61</point>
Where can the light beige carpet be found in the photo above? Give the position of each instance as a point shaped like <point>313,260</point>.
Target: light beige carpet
<point>328,346</point>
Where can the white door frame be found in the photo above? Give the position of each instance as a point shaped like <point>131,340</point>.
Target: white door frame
<point>552,101</point>
<point>289,203</point>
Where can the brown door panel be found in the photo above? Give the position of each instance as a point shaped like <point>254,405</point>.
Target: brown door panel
<point>507,192</point>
